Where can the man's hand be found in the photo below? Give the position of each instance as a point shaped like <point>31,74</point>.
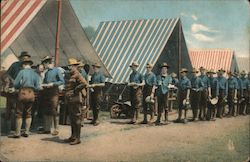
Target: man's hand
<point>50,85</point>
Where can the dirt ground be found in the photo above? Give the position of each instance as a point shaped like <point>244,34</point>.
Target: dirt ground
<point>223,140</point>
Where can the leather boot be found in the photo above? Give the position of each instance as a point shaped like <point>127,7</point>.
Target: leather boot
<point>27,127</point>
<point>55,121</point>
<point>18,128</point>
<point>77,134</point>
<point>96,120</point>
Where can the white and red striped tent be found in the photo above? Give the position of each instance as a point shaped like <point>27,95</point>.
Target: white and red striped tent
<point>31,25</point>
<point>214,59</point>
<point>15,16</point>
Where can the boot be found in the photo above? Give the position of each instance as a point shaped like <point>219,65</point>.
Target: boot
<point>185,117</point>
<point>27,127</point>
<point>55,125</point>
<point>158,121</point>
<point>151,117</point>
<point>178,120</point>
<point>73,133</point>
<point>96,120</point>
<point>145,120</point>
<point>18,128</point>
<point>78,134</point>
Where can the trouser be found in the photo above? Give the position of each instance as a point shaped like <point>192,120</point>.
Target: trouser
<point>11,104</point>
<point>147,106</point>
<point>26,98</point>
<point>75,113</point>
<point>231,105</point>
<point>136,102</point>
<point>221,103</point>
<point>212,111</point>
<point>243,104</point>
<point>162,105</point>
<point>50,104</point>
<point>96,101</point>
<point>195,102</point>
<point>181,97</point>
<point>248,102</point>
<point>203,104</point>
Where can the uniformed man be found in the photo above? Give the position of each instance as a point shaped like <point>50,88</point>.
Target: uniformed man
<point>232,94</point>
<point>213,93</point>
<point>97,82</point>
<point>222,93</point>
<point>136,82</point>
<point>12,72</point>
<point>173,90</point>
<point>85,104</point>
<point>27,81</point>
<point>204,94</point>
<point>244,94</point>
<point>196,87</point>
<point>52,80</point>
<point>74,100</point>
<point>183,95</point>
<point>248,98</point>
<point>148,91</point>
<point>239,92</point>
<point>163,82</point>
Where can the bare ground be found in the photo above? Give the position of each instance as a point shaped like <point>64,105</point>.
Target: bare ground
<point>223,140</point>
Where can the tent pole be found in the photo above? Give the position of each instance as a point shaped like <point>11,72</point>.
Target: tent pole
<point>59,12</point>
<point>179,48</point>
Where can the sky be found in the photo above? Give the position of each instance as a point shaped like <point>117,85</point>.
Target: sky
<point>206,23</point>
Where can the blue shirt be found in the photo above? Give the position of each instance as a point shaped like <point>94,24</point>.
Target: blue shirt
<point>27,78</point>
<point>196,83</point>
<point>14,69</point>
<point>97,77</point>
<point>54,76</point>
<point>150,79</point>
<point>175,81</point>
<point>135,77</point>
<point>184,83</point>
<point>214,84</point>
<point>244,83</point>
<point>205,81</point>
<point>162,83</point>
<point>232,83</point>
<point>84,74</point>
<point>223,84</point>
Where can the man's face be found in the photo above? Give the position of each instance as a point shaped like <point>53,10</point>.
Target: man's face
<point>149,69</point>
<point>203,72</point>
<point>194,74</point>
<point>183,74</point>
<point>134,68</point>
<point>24,58</point>
<point>96,69</point>
<point>41,68</point>
<point>164,70</point>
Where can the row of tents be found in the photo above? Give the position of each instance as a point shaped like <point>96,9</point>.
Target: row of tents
<point>32,26</point>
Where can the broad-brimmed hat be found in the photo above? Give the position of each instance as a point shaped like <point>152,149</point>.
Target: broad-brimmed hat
<point>221,70</point>
<point>29,61</point>
<point>211,71</point>
<point>24,53</point>
<point>164,64</point>
<point>183,70</point>
<point>202,68</point>
<point>194,70</point>
<point>214,101</point>
<point>236,73</point>
<point>73,61</point>
<point>243,72</point>
<point>134,64</point>
<point>96,65</point>
<point>173,75</point>
<point>46,59</point>
<point>230,73</point>
<point>149,65</point>
<point>81,64</point>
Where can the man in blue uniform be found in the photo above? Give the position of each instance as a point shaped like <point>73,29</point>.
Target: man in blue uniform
<point>239,92</point>
<point>148,90</point>
<point>196,87</point>
<point>52,80</point>
<point>222,93</point>
<point>97,82</point>
<point>183,95</point>
<point>136,82</point>
<point>213,92</point>
<point>204,94</point>
<point>232,94</point>
<point>244,94</point>
<point>163,82</point>
<point>27,82</point>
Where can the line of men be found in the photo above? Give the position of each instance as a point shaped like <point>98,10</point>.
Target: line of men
<point>44,84</point>
<point>206,94</point>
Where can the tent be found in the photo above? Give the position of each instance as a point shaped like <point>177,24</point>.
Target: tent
<point>214,59</point>
<point>37,35</point>
<point>243,63</point>
<point>119,43</point>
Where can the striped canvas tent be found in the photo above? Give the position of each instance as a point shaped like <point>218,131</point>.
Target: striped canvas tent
<point>39,34</point>
<point>214,59</point>
<point>118,43</point>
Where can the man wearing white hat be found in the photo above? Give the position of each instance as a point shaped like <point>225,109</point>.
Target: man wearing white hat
<point>136,82</point>
<point>244,94</point>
